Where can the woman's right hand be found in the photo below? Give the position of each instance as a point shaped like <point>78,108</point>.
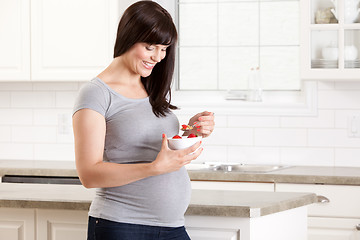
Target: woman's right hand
<point>172,160</point>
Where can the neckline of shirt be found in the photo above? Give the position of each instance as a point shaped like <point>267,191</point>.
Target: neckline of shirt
<point>120,95</point>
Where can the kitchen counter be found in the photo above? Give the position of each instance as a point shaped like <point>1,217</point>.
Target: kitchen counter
<point>296,174</point>
<point>203,202</point>
<point>38,168</point>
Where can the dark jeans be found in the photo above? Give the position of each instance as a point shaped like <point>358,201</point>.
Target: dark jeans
<point>101,229</point>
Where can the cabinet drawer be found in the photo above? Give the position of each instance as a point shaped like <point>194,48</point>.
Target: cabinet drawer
<point>344,201</point>
<point>233,186</point>
<point>333,228</point>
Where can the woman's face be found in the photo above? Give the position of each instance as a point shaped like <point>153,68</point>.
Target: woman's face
<point>143,57</point>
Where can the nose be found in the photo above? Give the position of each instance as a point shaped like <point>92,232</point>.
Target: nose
<point>156,56</point>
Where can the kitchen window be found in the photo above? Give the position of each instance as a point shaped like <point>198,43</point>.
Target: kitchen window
<point>221,40</point>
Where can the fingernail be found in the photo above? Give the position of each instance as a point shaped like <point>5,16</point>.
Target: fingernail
<point>163,135</point>
<point>197,126</point>
<point>198,130</point>
<point>200,142</point>
<point>195,123</point>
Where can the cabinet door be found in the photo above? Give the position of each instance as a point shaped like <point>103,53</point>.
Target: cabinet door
<point>61,224</point>
<point>17,224</point>
<point>72,40</point>
<point>232,186</point>
<point>330,40</point>
<point>14,40</point>
<point>333,229</point>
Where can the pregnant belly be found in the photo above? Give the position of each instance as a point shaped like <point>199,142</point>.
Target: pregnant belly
<point>163,198</point>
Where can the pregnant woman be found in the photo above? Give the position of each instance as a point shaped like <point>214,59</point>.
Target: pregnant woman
<point>121,122</point>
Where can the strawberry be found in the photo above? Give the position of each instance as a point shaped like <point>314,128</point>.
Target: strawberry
<point>192,135</point>
<point>185,127</point>
<point>176,137</point>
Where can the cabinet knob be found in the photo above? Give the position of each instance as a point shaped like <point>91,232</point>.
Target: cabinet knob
<point>322,199</point>
<point>358,227</point>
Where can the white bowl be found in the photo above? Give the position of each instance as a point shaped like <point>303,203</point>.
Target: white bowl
<point>181,143</point>
<point>351,53</point>
<point>330,53</point>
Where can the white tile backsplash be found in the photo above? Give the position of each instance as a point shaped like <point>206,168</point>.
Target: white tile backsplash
<point>342,117</point>
<point>253,155</point>
<point>29,128</point>
<point>254,122</point>
<point>15,151</point>
<point>307,156</point>
<point>33,99</point>
<point>65,99</point>
<point>34,134</point>
<point>324,119</point>
<point>339,99</point>
<point>231,136</point>
<point>55,152</point>
<point>5,134</point>
<point>348,157</point>
<point>13,116</point>
<point>332,138</point>
<point>212,153</point>
<point>55,86</point>
<point>277,137</point>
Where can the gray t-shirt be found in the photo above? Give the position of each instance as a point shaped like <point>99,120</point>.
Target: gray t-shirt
<point>134,135</point>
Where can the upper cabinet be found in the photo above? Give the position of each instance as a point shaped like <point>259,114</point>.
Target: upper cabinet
<point>330,39</point>
<point>15,40</point>
<point>56,40</point>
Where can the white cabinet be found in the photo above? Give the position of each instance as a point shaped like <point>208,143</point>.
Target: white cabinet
<point>61,224</point>
<point>232,186</point>
<point>285,225</point>
<point>70,40</point>
<point>330,39</point>
<point>17,224</point>
<point>42,224</point>
<point>337,216</point>
<point>15,40</point>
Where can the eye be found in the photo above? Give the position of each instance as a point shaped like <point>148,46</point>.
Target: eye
<point>149,48</point>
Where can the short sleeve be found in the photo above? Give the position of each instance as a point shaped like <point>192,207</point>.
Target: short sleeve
<point>91,96</point>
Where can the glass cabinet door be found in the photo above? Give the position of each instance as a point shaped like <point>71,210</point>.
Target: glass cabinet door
<point>324,49</point>
<point>352,48</point>
<point>334,34</point>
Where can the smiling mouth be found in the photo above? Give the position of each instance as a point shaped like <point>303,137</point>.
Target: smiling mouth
<point>148,65</point>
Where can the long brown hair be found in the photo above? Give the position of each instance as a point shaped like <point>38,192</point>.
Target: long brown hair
<point>147,21</point>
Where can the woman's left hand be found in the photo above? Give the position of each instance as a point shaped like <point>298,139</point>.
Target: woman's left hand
<point>204,123</point>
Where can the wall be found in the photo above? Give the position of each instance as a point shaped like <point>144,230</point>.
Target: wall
<point>35,124</point>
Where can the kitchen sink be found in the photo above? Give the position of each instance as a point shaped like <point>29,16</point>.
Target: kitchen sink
<point>235,167</point>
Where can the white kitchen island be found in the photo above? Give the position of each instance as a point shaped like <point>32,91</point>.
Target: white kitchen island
<point>59,212</point>
<point>234,215</point>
